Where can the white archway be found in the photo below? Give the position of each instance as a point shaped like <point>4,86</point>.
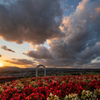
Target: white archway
<point>37,70</point>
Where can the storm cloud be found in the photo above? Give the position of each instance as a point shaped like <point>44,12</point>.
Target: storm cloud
<point>40,52</point>
<point>81,43</point>
<point>7,49</point>
<point>31,21</point>
<point>83,32</point>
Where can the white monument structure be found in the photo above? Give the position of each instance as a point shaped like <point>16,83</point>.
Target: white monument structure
<point>38,68</point>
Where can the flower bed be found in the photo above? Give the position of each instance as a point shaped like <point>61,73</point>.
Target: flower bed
<point>83,87</point>
<point>7,77</point>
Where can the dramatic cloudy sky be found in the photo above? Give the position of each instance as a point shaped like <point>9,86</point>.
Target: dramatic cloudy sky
<point>55,33</point>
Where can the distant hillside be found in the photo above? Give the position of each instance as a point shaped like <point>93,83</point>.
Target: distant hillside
<point>9,68</point>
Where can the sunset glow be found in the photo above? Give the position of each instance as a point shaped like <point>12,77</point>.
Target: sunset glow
<point>1,65</point>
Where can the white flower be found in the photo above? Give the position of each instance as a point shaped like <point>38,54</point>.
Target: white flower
<point>1,89</point>
<point>53,97</point>
<point>72,96</point>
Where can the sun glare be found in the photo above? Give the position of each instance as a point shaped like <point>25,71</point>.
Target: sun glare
<point>1,65</point>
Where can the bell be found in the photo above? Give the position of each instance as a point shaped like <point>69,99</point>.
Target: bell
<point>41,68</point>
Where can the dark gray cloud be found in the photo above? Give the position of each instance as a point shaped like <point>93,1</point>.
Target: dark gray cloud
<point>90,53</point>
<point>55,63</point>
<point>82,31</point>
<point>31,21</point>
<point>58,55</point>
<point>40,52</point>
<point>7,49</point>
<point>20,61</point>
<point>81,43</point>
<point>82,27</point>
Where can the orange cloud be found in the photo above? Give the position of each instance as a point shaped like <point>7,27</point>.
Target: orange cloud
<point>97,9</point>
<point>6,49</point>
<point>0,55</point>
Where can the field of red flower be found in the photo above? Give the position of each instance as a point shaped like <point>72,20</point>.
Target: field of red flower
<point>7,77</point>
<point>83,87</point>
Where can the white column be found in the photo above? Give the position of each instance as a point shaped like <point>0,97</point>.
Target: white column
<point>44,71</point>
<point>36,72</point>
